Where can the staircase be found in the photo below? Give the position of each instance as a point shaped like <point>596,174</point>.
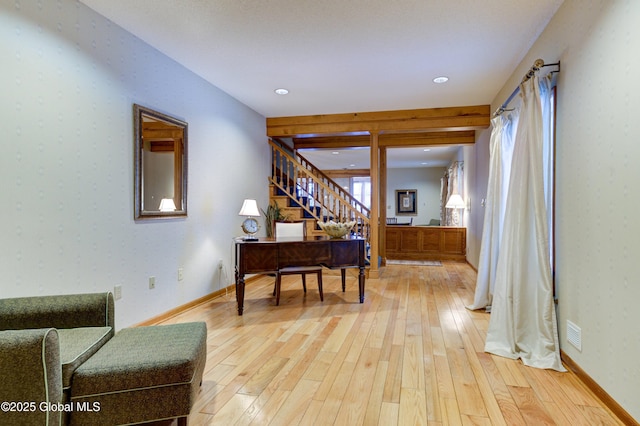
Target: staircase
<point>293,212</point>
<point>304,192</point>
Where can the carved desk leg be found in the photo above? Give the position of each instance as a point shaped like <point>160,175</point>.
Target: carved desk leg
<point>361,284</point>
<point>240,292</point>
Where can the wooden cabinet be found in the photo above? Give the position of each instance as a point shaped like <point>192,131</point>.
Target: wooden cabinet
<point>426,243</point>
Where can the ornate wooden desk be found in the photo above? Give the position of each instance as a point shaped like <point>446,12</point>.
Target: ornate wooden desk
<point>267,255</point>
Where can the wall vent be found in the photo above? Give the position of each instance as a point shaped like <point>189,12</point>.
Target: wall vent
<point>574,335</point>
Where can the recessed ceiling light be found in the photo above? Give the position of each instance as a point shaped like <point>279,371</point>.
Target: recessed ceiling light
<point>427,149</point>
<point>335,153</point>
<point>352,165</point>
<point>441,79</point>
<point>281,91</point>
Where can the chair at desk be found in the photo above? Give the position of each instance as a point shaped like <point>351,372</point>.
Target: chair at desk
<point>392,220</point>
<point>289,231</point>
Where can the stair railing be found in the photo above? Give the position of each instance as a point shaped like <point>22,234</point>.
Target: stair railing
<point>315,192</point>
<point>355,203</point>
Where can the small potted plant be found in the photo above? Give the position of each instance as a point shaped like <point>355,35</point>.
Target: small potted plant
<point>271,215</point>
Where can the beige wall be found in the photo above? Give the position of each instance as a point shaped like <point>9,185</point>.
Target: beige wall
<point>426,181</point>
<point>70,78</point>
<point>597,266</point>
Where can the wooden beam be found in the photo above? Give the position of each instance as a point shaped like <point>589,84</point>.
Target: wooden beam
<point>161,146</point>
<point>466,137</point>
<point>157,125</point>
<point>162,133</point>
<point>332,142</point>
<point>375,208</point>
<point>348,173</point>
<point>160,129</point>
<point>415,120</point>
<point>382,202</point>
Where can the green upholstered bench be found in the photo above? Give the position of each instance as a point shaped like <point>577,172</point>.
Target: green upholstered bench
<point>142,374</point>
<point>30,371</point>
<point>82,324</point>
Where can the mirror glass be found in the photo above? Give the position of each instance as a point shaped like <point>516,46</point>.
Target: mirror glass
<point>160,164</point>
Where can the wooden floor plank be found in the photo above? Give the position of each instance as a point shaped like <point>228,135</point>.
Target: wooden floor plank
<point>312,414</point>
<point>532,408</point>
<point>232,410</point>
<point>259,381</point>
<point>388,414</point>
<point>352,410</point>
<point>490,402</point>
<point>393,383</point>
<point>413,407</point>
<point>266,407</point>
<point>294,407</point>
<point>451,412</point>
<point>410,354</point>
<point>372,414</point>
<point>509,410</point>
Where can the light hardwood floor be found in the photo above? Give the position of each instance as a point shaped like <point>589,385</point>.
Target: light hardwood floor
<point>411,354</point>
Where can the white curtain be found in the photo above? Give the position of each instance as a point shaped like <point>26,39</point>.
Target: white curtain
<point>500,155</point>
<point>451,183</point>
<point>523,319</point>
<point>547,100</point>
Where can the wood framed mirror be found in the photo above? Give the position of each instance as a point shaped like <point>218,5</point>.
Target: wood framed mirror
<point>160,165</point>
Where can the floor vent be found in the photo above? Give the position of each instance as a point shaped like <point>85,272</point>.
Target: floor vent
<point>574,335</point>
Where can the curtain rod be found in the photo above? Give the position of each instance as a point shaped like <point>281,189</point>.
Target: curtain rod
<point>539,63</point>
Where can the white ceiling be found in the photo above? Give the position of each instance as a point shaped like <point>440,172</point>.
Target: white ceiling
<point>342,55</point>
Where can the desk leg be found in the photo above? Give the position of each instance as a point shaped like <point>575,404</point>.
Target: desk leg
<point>343,273</point>
<point>240,293</point>
<point>361,284</point>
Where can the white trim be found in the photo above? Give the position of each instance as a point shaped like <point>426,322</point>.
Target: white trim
<point>43,358</point>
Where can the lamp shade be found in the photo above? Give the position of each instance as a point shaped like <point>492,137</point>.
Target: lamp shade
<point>455,202</point>
<point>249,208</point>
<point>167,205</point>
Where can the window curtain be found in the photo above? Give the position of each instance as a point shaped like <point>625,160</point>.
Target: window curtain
<point>444,196</point>
<point>523,318</point>
<point>547,96</point>
<point>450,183</point>
<point>500,155</point>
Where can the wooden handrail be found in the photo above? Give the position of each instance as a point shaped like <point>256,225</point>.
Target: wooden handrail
<point>315,192</point>
<point>333,185</point>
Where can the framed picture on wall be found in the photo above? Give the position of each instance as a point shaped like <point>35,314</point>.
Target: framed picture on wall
<point>406,202</point>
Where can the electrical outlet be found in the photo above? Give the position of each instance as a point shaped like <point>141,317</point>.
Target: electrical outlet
<point>117,292</point>
<point>180,274</point>
<point>152,283</point>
